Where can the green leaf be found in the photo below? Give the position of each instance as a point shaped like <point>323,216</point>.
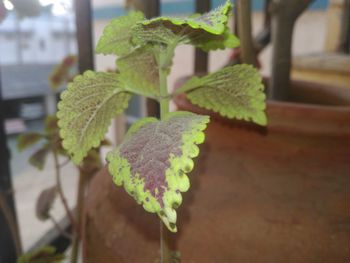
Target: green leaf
<point>154,158</point>
<point>155,34</point>
<point>28,139</point>
<point>234,92</point>
<point>139,72</point>
<point>208,42</point>
<point>44,203</point>
<point>38,158</point>
<point>213,22</point>
<point>45,254</point>
<point>170,31</point>
<point>116,37</point>
<point>86,109</point>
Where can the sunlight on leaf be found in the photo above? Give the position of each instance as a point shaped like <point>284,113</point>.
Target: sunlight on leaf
<point>45,254</point>
<point>154,159</point>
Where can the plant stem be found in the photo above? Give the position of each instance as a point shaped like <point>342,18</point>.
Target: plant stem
<point>60,192</point>
<point>11,222</point>
<point>164,61</point>
<point>59,228</point>
<point>80,215</point>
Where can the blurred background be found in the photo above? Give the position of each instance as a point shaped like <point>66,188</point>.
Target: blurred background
<point>36,36</point>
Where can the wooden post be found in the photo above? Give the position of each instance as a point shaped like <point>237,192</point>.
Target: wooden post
<point>10,245</point>
<point>83,20</point>
<point>245,31</point>
<point>284,16</point>
<point>201,59</point>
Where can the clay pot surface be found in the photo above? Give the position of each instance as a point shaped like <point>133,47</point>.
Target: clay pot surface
<point>275,194</point>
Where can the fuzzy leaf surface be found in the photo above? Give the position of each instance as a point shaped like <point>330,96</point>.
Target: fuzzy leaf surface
<point>116,37</point>
<point>170,31</point>
<point>154,158</point>
<point>213,22</point>
<point>234,92</point>
<point>139,72</point>
<point>86,109</point>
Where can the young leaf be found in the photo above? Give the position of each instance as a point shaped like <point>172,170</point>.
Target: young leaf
<point>38,158</point>
<point>44,203</point>
<point>208,42</point>
<point>154,158</point>
<point>28,139</point>
<point>139,72</point>
<point>45,254</point>
<point>234,92</point>
<point>167,31</point>
<point>116,37</point>
<point>213,22</point>
<point>86,109</point>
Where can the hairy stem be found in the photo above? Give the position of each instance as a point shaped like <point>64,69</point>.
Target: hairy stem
<point>80,215</point>
<point>60,192</point>
<point>11,222</point>
<point>164,61</point>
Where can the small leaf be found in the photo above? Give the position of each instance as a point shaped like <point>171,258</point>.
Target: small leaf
<point>62,72</point>
<point>45,254</point>
<point>86,109</point>
<point>116,37</point>
<point>139,72</point>
<point>28,139</point>
<point>44,203</point>
<point>154,158</point>
<point>38,158</point>
<point>173,31</point>
<point>155,34</point>
<point>234,92</point>
<point>209,42</point>
<point>213,22</point>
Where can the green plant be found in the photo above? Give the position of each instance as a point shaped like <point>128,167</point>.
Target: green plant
<point>155,156</point>
<point>51,143</point>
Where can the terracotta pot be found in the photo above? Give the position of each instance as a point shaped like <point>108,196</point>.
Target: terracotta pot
<point>279,194</point>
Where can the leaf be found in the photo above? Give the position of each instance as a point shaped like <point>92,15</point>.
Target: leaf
<point>208,42</point>
<point>154,158</point>
<point>86,109</point>
<point>28,139</point>
<point>139,72</point>
<point>44,203</point>
<point>170,31</point>
<point>38,158</point>
<point>45,254</point>
<point>234,92</point>
<point>155,34</point>
<point>213,22</point>
<point>116,37</point>
<point>62,72</point>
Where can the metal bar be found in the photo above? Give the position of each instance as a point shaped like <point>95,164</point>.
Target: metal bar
<point>10,246</point>
<point>201,58</point>
<point>83,20</point>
